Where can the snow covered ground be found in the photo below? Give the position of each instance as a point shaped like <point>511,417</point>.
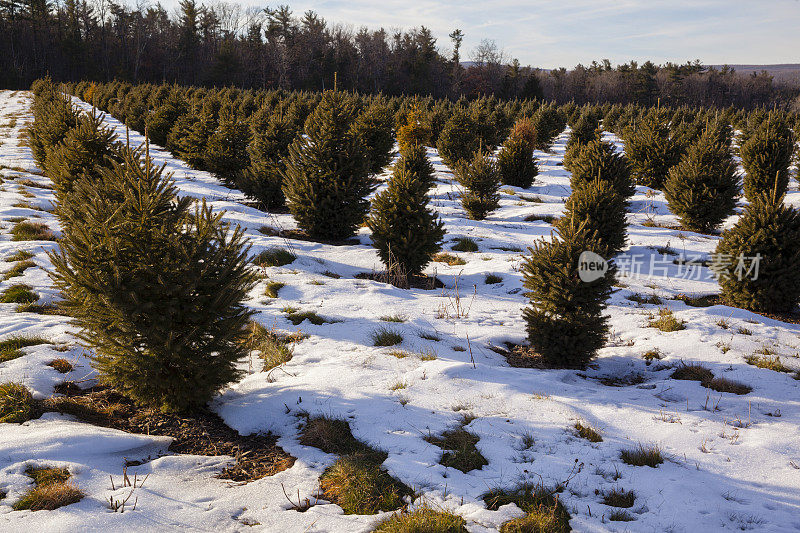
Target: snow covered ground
<point>733,462</point>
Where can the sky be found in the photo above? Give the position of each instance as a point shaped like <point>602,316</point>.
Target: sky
<point>549,34</point>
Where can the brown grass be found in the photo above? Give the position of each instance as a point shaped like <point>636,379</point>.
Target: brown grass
<point>52,490</point>
<point>422,520</point>
<point>459,448</point>
<point>61,365</point>
<point>643,455</point>
<point>588,432</point>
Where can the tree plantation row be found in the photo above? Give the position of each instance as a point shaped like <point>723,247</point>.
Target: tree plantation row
<point>158,287</point>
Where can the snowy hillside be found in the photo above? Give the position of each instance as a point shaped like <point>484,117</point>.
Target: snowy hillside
<point>732,461</point>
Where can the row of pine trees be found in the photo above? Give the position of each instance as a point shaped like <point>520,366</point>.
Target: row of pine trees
<point>317,155</point>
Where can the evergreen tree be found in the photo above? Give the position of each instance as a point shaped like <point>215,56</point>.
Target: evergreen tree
<point>375,129</point>
<point>599,160</point>
<point>413,130</point>
<point>163,117</point>
<point>604,212</point>
<point>414,160</point>
<point>651,150</point>
<point>585,130</point>
<point>516,163</point>
<point>525,129</point>
<point>53,116</point>
<point>766,156</point>
<point>84,149</point>
<point>226,151</point>
<point>481,181</point>
<point>327,174</point>
<point>565,322</point>
<point>459,140</point>
<point>156,289</point>
<point>271,133</point>
<point>189,137</point>
<point>768,230</point>
<point>404,230</point>
<point>702,189</point>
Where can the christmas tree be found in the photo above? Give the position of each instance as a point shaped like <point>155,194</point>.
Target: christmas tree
<point>585,130</point>
<point>603,211</point>
<point>459,139</point>
<point>375,129</point>
<point>480,179</point>
<point>516,163</point>
<point>226,151</point>
<point>414,160</point>
<point>758,259</point>
<point>327,174</point>
<point>599,160</point>
<point>271,133</point>
<point>565,322</point>
<point>404,230</point>
<point>156,289</point>
<point>702,189</point>
<point>766,156</point>
<point>651,150</point>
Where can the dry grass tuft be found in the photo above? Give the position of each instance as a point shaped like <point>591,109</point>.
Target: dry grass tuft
<point>16,403</point>
<point>358,485</point>
<point>588,432</point>
<point>31,231</point>
<point>60,365</point>
<point>465,244</point>
<point>18,294</point>
<point>643,455</point>
<point>52,490</point>
<point>422,520</point>
<point>770,362</point>
<point>459,448</point>
<point>666,321</point>
<point>543,511</point>
<point>619,498</point>
<point>384,336</point>
<point>449,259</point>
<point>692,372</point>
<point>272,288</point>
<point>274,257</point>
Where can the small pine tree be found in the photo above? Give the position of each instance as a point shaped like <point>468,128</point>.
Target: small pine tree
<point>525,129</point>
<point>85,149</point>
<point>585,130</point>
<point>516,163</point>
<point>327,174</point>
<point>702,189</point>
<point>458,140</point>
<point>163,117</point>
<point>651,150</point>
<point>481,181</point>
<point>226,151</point>
<point>404,230</point>
<point>414,160</point>
<point>770,230</point>
<point>375,129</point>
<point>190,136</point>
<point>599,160</point>
<point>53,116</point>
<point>413,131</point>
<point>271,133</point>
<point>156,289</point>
<point>604,213</point>
<point>565,322</point>
<point>766,156</point>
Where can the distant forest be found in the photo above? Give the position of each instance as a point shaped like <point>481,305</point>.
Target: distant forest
<point>225,44</point>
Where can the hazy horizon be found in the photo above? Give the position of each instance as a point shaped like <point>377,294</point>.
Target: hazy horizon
<point>550,34</point>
